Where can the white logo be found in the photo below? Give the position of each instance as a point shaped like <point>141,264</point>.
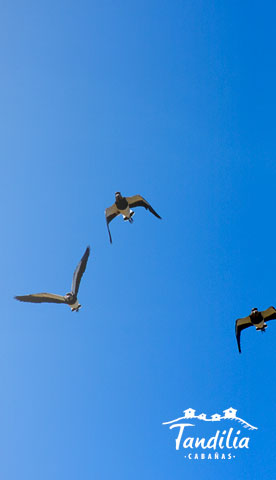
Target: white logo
<point>221,445</point>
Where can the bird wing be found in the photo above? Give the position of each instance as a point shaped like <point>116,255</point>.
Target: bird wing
<point>78,273</point>
<point>41,298</point>
<point>138,201</point>
<point>241,324</point>
<point>269,314</point>
<point>110,213</point>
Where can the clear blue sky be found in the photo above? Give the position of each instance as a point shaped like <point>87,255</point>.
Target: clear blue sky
<point>175,101</point>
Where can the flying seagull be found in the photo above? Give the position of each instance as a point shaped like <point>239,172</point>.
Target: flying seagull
<point>70,298</point>
<point>256,319</point>
<point>123,206</point>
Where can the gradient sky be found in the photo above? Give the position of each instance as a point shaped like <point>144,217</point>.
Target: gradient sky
<point>175,101</point>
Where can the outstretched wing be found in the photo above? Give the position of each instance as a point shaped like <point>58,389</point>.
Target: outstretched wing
<point>241,324</point>
<point>138,201</point>
<point>78,273</point>
<point>41,298</point>
<point>110,213</point>
<point>269,314</point>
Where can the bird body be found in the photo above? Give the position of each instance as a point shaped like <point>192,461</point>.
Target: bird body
<point>123,209</point>
<point>120,202</point>
<point>69,298</point>
<point>123,205</point>
<point>256,319</point>
<point>72,301</point>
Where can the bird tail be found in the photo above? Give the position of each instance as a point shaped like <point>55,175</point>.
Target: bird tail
<point>129,219</point>
<point>75,309</point>
<point>263,328</point>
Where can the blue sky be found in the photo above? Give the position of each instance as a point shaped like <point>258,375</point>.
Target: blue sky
<point>175,101</point>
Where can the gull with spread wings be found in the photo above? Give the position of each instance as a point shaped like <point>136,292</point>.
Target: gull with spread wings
<point>68,299</point>
<point>256,319</point>
<point>123,205</point>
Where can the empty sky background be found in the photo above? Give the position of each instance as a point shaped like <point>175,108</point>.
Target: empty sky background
<point>174,100</point>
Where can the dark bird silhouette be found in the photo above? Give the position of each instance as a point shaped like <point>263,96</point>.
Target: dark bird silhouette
<point>70,298</point>
<point>123,205</point>
<point>256,319</point>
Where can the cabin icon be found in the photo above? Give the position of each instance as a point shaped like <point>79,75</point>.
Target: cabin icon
<point>216,417</point>
<point>202,416</point>
<point>189,413</point>
<point>230,413</point>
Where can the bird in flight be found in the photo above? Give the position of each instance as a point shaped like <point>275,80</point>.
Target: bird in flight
<point>256,319</point>
<point>123,205</point>
<point>70,298</point>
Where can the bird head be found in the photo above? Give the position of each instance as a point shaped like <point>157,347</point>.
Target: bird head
<point>118,194</point>
<point>254,311</point>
